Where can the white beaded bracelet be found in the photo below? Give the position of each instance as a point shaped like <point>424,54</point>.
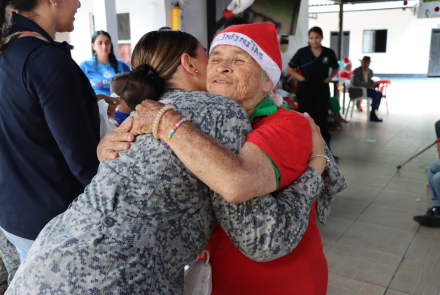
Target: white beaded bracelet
<point>324,156</point>
<point>159,116</point>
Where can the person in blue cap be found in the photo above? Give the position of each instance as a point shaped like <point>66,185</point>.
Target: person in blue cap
<point>103,65</point>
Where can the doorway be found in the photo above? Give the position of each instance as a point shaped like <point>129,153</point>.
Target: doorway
<point>345,43</point>
<point>434,54</point>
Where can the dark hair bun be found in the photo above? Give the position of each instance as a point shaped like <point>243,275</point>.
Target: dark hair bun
<point>143,83</point>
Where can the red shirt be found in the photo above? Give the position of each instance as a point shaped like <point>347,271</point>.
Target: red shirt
<point>285,136</point>
<point>345,74</point>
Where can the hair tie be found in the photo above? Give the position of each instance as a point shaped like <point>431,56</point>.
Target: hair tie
<point>146,70</point>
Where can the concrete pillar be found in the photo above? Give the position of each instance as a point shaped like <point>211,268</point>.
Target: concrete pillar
<point>104,12</point>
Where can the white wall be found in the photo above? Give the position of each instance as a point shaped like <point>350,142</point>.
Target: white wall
<point>145,16</point>
<point>300,38</point>
<point>408,38</point>
<point>149,15</point>
<point>81,36</point>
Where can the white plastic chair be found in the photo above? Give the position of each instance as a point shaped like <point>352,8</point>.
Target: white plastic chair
<point>353,100</point>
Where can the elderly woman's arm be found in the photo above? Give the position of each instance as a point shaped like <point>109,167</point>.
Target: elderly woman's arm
<point>268,227</point>
<point>236,177</point>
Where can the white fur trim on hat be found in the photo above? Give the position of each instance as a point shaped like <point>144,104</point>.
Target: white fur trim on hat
<point>248,45</point>
<point>276,98</point>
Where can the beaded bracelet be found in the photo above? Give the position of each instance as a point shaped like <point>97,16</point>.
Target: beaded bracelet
<point>178,125</point>
<point>159,116</point>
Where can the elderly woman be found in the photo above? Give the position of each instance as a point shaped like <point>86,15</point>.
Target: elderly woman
<point>145,215</point>
<point>278,143</point>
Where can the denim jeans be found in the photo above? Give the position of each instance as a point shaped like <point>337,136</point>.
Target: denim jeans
<point>376,98</point>
<point>437,128</point>
<point>434,182</point>
<point>22,245</point>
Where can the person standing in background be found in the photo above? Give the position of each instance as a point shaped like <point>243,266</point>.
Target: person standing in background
<point>313,93</point>
<point>103,65</point>
<point>49,119</point>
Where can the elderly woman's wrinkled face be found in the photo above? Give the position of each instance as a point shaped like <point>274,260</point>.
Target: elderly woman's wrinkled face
<point>233,73</point>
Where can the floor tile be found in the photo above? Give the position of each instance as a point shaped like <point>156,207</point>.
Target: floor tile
<point>371,242</point>
<point>394,292</point>
<point>390,217</point>
<point>334,228</point>
<point>348,209</point>
<point>361,193</point>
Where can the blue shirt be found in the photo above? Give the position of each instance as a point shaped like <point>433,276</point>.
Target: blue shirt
<point>100,74</point>
<point>120,117</point>
<point>49,131</point>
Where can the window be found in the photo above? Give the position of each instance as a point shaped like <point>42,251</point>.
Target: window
<point>334,37</point>
<point>374,41</point>
<point>124,36</point>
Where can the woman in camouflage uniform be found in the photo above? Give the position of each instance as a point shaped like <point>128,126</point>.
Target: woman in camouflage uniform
<point>145,215</point>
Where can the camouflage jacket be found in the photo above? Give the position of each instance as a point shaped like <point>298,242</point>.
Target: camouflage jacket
<point>9,262</point>
<point>145,216</point>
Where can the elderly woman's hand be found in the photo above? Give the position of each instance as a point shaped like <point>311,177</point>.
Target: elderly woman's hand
<point>117,140</point>
<point>319,163</point>
<point>145,115</point>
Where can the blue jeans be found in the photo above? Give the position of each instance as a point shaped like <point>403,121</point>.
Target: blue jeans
<point>22,245</point>
<point>376,98</point>
<point>437,129</point>
<point>434,182</point>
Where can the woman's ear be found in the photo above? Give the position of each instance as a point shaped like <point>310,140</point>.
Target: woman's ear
<point>267,84</point>
<point>188,64</point>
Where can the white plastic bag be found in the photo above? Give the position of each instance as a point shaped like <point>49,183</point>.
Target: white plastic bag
<point>107,123</point>
<point>198,277</point>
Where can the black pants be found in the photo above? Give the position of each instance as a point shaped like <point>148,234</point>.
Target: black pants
<point>314,98</point>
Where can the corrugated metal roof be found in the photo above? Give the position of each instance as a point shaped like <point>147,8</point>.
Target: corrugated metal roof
<point>320,2</point>
<point>322,6</point>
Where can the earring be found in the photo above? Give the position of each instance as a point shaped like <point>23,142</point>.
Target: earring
<point>197,71</point>
<point>55,4</point>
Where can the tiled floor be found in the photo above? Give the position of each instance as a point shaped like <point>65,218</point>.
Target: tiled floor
<point>371,242</point>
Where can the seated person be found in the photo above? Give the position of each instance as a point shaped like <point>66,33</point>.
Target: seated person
<point>361,77</point>
<point>346,72</point>
<point>432,216</point>
<point>117,83</point>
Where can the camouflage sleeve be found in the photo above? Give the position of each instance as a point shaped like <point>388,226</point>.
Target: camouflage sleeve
<point>266,227</point>
<point>9,260</point>
<point>334,182</point>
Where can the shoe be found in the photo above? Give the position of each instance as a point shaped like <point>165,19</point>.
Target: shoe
<point>431,218</point>
<point>374,117</point>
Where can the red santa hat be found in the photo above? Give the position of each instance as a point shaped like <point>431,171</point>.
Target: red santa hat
<point>260,40</point>
<point>347,61</point>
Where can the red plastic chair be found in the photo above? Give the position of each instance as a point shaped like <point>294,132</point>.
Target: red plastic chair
<point>383,85</point>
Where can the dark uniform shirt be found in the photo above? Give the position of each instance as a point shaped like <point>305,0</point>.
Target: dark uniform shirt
<point>49,131</point>
<point>315,69</point>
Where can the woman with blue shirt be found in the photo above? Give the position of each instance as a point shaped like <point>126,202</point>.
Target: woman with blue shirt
<point>103,65</point>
